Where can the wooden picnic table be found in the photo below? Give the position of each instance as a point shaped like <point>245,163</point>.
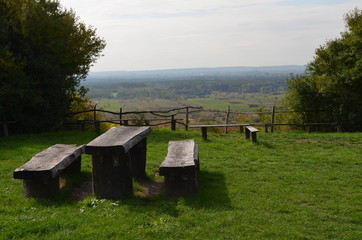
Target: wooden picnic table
<point>118,155</point>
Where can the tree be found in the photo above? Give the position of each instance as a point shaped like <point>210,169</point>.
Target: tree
<point>45,52</point>
<point>330,90</point>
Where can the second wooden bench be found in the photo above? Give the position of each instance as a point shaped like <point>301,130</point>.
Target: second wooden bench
<point>249,130</point>
<point>41,173</point>
<point>180,168</point>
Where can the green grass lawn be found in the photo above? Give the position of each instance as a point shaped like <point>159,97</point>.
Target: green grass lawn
<point>288,186</point>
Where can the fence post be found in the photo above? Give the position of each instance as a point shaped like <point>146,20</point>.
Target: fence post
<point>173,123</point>
<point>227,118</point>
<point>272,119</point>
<point>187,119</point>
<point>120,116</point>
<point>96,122</point>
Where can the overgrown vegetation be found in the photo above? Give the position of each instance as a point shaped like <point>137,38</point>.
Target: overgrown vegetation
<point>330,91</point>
<point>45,51</point>
<point>289,186</point>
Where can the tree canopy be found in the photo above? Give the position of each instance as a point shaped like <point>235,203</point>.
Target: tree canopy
<point>331,88</point>
<point>45,52</point>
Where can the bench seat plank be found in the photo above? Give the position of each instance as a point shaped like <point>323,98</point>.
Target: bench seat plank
<point>218,125</point>
<point>252,129</point>
<point>205,127</point>
<point>50,162</point>
<point>180,168</point>
<point>117,139</point>
<point>182,155</point>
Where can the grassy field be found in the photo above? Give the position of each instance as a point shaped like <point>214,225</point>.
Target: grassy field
<point>216,101</point>
<point>288,186</point>
<point>237,102</point>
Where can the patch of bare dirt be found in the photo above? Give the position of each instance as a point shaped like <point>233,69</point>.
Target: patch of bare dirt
<point>149,188</point>
<point>83,191</point>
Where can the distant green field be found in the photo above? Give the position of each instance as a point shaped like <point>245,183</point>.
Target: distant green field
<point>238,102</point>
<point>290,185</point>
<point>216,101</point>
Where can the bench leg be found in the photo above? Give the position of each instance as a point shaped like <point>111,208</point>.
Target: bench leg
<point>111,176</point>
<point>247,134</point>
<point>241,129</point>
<point>41,188</point>
<point>74,168</point>
<point>204,133</point>
<point>181,185</point>
<point>253,137</point>
<point>138,159</point>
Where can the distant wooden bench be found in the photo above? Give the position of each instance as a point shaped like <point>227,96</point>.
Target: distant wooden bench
<point>180,168</point>
<point>118,155</point>
<point>251,131</point>
<point>205,127</point>
<point>41,174</point>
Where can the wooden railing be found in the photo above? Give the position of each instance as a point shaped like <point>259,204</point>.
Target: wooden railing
<point>170,117</point>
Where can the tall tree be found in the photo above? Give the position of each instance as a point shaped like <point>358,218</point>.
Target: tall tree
<point>330,90</point>
<point>45,52</point>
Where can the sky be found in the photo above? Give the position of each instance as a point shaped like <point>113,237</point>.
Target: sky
<point>171,34</point>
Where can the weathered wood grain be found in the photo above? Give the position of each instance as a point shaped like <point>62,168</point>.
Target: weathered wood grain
<point>118,155</point>
<point>181,155</point>
<point>50,162</point>
<point>180,168</point>
<point>111,176</point>
<point>117,139</point>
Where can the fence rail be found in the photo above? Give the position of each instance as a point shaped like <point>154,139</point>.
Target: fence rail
<point>166,117</point>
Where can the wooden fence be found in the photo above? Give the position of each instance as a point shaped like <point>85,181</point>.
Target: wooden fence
<point>170,117</point>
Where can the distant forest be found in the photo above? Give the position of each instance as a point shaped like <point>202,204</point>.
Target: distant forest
<point>184,89</point>
<point>185,84</point>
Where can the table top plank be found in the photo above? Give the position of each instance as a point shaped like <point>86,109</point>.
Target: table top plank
<point>117,138</point>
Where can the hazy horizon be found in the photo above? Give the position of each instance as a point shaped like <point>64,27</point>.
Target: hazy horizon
<point>166,34</point>
<point>194,68</point>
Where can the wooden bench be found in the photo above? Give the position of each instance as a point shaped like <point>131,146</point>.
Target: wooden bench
<point>251,130</point>
<point>205,127</point>
<point>41,174</point>
<point>118,155</point>
<point>180,168</point>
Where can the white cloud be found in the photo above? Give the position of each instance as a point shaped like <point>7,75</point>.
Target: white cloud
<point>175,34</point>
